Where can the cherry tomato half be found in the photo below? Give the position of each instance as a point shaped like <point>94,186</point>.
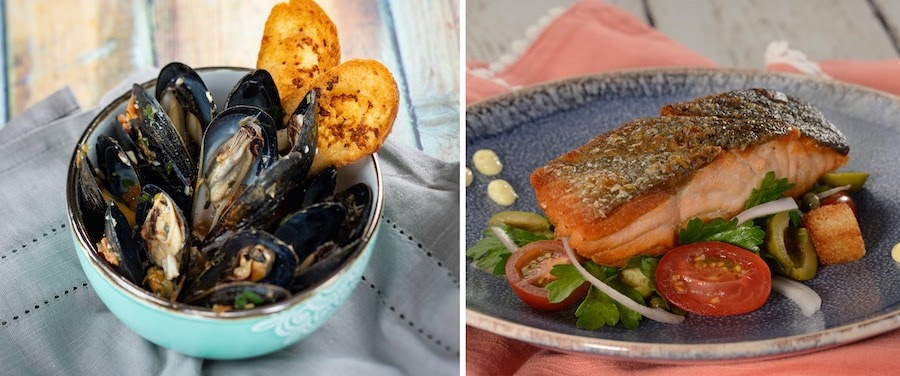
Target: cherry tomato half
<point>839,198</point>
<point>528,272</point>
<point>714,279</point>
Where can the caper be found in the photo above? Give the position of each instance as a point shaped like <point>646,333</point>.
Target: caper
<point>855,179</point>
<point>809,201</point>
<point>523,220</point>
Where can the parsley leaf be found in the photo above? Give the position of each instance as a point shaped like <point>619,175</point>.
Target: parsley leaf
<point>748,235</point>
<point>568,279</point>
<point>490,255</point>
<point>770,189</point>
<point>646,264</point>
<point>598,310</point>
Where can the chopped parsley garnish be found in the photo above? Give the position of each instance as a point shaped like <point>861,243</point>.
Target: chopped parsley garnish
<point>245,298</point>
<point>148,111</point>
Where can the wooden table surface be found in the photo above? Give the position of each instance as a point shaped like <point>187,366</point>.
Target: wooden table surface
<point>733,33</point>
<point>91,45</point>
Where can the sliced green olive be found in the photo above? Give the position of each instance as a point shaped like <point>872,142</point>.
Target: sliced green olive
<point>855,179</point>
<point>792,248</point>
<point>523,220</point>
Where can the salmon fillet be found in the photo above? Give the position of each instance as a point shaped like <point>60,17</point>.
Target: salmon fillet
<point>628,191</point>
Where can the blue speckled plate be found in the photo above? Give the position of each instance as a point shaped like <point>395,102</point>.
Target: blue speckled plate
<point>534,125</point>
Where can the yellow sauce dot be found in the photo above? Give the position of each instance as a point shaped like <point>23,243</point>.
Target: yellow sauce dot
<point>895,253</point>
<point>487,162</point>
<point>501,192</point>
<point>468,177</point>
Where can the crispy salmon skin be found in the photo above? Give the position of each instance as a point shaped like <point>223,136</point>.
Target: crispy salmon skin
<point>628,191</point>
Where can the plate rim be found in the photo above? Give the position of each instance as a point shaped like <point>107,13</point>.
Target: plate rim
<point>671,353</point>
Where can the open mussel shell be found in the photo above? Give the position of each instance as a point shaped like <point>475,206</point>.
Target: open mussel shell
<point>120,177</point>
<point>316,268</point>
<point>239,144</point>
<point>302,133</point>
<point>188,103</point>
<point>358,201</point>
<point>163,233</point>
<point>309,228</point>
<point>242,295</point>
<point>90,199</point>
<point>257,89</point>
<point>119,248</point>
<point>319,186</point>
<point>251,256</point>
<point>162,148</point>
<point>258,204</point>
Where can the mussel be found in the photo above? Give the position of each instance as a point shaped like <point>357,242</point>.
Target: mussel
<point>257,89</point>
<point>163,232</point>
<point>238,145</point>
<point>169,164</point>
<point>90,197</point>
<point>119,248</point>
<point>250,256</point>
<point>241,295</point>
<point>184,97</point>
<point>120,177</point>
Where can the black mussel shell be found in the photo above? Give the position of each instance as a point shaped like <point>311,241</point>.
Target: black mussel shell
<point>120,177</point>
<point>120,249</point>
<point>182,93</point>
<point>258,89</point>
<point>165,154</point>
<point>238,250</point>
<point>257,205</point>
<point>320,186</point>
<point>302,131</point>
<point>242,131</point>
<point>145,201</point>
<point>309,228</point>
<point>326,260</point>
<point>315,189</point>
<point>243,295</point>
<point>149,221</point>
<point>358,201</point>
<point>228,123</point>
<point>90,199</point>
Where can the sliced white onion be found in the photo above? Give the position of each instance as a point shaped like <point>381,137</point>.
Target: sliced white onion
<point>805,297</point>
<point>768,208</point>
<point>832,191</point>
<point>654,314</point>
<point>504,239</point>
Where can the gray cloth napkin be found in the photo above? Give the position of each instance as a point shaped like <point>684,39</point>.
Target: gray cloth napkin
<point>403,318</point>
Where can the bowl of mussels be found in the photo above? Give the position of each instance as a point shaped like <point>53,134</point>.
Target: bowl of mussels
<point>199,222</point>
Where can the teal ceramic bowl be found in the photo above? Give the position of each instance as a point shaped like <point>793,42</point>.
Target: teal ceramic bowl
<point>200,332</point>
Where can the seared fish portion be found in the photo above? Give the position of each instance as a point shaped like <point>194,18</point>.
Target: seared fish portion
<point>628,191</point>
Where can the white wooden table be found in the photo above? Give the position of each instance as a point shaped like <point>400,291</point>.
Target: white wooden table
<point>733,33</point>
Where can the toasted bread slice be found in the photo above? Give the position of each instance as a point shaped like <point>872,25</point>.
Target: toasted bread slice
<point>356,108</point>
<point>299,43</point>
<point>835,234</point>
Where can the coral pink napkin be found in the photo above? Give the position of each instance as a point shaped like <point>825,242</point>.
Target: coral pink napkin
<point>595,37</point>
